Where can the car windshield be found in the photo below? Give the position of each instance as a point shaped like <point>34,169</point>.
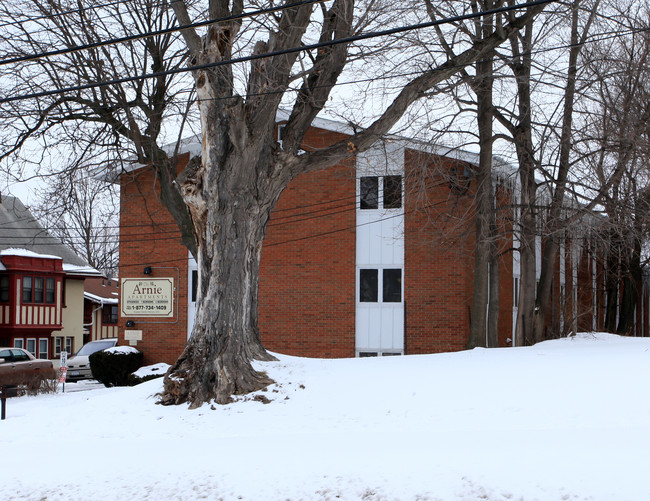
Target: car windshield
<point>90,348</point>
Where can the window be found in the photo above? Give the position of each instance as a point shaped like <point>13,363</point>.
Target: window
<point>392,287</point>
<point>109,314</point>
<point>31,346</point>
<point>58,343</point>
<point>38,289</point>
<point>195,284</point>
<point>392,192</point>
<point>27,289</point>
<point>368,282</point>
<point>68,344</point>
<point>19,343</point>
<point>515,291</point>
<point>369,192</point>
<point>43,349</point>
<point>4,288</point>
<point>19,356</point>
<point>49,290</point>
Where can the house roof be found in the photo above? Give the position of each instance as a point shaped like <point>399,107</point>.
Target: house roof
<point>22,234</point>
<point>101,290</point>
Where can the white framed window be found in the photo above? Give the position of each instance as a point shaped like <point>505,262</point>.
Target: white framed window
<point>19,343</point>
<point>58,344</point>
<point>389,282</point>
<point>370,354</point>
<point>31,346</point>
<point>68,345</point>
<point>383,192</point>
<point>43,346</point>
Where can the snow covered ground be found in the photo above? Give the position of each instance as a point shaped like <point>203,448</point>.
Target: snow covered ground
<point>563,420</point>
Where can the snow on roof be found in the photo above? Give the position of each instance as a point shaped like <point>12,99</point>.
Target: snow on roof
<point>100,300</point>
<point>26,253</point>
<point>71,269</point>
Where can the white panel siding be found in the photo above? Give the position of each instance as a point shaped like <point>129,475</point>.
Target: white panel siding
<point>380,245</point>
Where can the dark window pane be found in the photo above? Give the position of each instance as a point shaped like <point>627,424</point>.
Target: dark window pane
<point>27,289</point>
<point>38,289</point>
<point>368,286</point>
<point>195,283</point>
<point>49,290</point>
<point>4,288</point>
<point>109,314</point>
<point>367,354</point>
<point>392,192</point>
<point>369,192</point>
<point>392,286</point>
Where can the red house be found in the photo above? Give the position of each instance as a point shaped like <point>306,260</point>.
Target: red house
<point>101,306</point>
<point>41,286</point>
<point>372,257</point>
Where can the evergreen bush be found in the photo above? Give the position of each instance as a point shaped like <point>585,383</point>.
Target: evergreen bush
<point>113,366</point>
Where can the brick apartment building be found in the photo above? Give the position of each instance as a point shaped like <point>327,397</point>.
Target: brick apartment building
<point>370,257</point>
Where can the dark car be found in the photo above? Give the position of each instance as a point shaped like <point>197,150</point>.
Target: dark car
<point>18,367</point>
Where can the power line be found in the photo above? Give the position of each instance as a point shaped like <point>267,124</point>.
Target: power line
<point>64,13</point>
<point>593,39</point>
<point>164,31</point>
<point>303,48</point>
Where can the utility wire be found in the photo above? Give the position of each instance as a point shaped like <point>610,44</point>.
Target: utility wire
<point>64,13</point>
<point>303,48</point>
<point>165,31</point>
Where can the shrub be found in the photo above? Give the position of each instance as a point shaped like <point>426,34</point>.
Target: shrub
<point>32,383</point>
<point>46,382</point>
<point>113,366</point>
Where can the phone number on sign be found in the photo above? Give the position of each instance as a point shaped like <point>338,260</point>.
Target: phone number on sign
<point>147,307</point>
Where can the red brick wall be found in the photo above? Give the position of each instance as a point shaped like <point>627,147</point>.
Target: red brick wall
<point>439,257</point>
<point>149,237</point>
<point>307,276</point>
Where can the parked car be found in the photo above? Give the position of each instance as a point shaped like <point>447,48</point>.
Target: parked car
<point>79,365</point>
<point>20,367</point>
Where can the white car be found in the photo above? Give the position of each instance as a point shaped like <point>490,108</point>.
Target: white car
<point>79,365</point>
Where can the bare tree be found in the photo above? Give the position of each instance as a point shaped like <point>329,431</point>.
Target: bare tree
<point>616,148</point>
<point>223,199</point>
<point>83,213</point>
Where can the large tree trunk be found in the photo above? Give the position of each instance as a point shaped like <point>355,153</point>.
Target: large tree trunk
<point>230,208</point>
<point>216,361</point>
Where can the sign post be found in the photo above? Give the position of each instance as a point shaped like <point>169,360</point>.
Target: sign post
<point>63,368</point>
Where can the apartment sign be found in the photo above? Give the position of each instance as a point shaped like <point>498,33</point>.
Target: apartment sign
<point>147,297</point>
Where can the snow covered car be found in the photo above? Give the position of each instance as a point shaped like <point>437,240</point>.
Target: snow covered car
<point>79,365</point>
<point>20,367</point>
